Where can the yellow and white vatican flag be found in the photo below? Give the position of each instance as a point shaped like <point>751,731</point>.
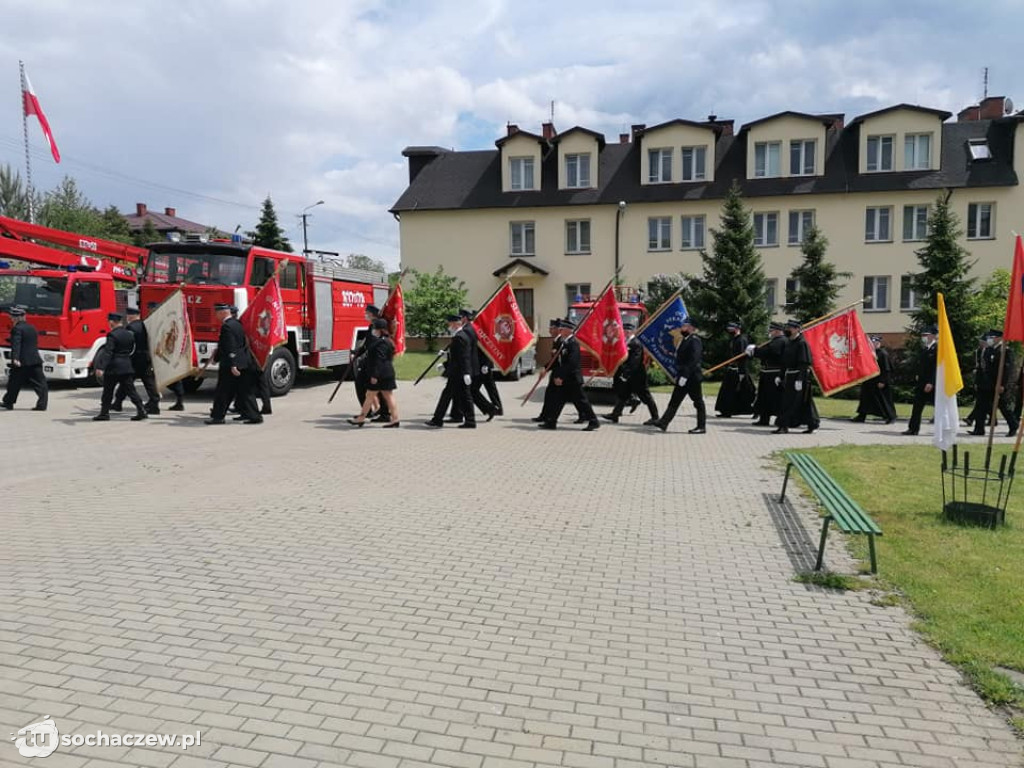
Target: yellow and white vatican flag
<point>170,341</point>
<point>947,383</point>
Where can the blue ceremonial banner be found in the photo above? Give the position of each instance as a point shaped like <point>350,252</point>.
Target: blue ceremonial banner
<point>660,335</point>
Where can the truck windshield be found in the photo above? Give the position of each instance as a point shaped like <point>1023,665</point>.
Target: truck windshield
<point>38,295</point>
<point>196,268</point>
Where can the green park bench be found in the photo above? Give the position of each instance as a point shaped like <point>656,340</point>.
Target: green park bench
<point>838,505</point>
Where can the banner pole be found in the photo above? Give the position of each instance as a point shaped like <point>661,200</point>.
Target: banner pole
<point>995,405</point>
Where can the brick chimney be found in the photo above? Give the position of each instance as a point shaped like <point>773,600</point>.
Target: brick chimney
<point>512,129</point>
<point>725,126</point>
<point>992,107</point>
<point>969,114</point>
<point>170,212</point>
<point>547,130</point>
<point>637,130</point>
<point>140,209</point>
<point>623,138</point>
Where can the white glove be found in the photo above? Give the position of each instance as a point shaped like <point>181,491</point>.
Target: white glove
<point>798,386</point>
<point>467,379</point>
<point>682,381</point>
<point>778,381</point>
<point>440,366</point>
<point>750,350</point>
<point>484,370</point>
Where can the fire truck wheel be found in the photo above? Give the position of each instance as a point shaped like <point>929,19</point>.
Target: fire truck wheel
<point>282,369</point>
<point>191,385</point>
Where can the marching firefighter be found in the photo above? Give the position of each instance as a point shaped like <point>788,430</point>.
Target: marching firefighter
<point>257,382</point>
<point>359,361</point>
<point>876,393</point>
<point>550,392</point>
<point>988,383</point>
<point>142,365</point>
<point>233,361</point>
<point>631,380</point>
<point>689,375</point>
<point>481,370</point>
<point>26,363</point>
<point>459,373</point>
<point>924,383</point>
<point>380,375</point>
<point>113,364</point>
<point>797,403</point>
<point>769,383</point>
<point>567,379</point>
<point>736,397</point>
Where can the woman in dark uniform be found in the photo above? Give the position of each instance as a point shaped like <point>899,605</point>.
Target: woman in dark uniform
<point>876,393</point>
<point>381,375</point>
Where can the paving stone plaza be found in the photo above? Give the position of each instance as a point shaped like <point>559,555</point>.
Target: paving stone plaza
<point>306,594</point>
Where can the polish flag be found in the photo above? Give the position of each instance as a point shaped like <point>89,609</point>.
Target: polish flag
<point>31,106</point>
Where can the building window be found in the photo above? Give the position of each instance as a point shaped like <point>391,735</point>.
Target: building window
<point>908,296</point>
<point>766,159</point>
<point>524,298</point>
<point>979,220</point>
<point>801,157</point>
<point>917,151</point>
<point>522,238</point>
<point>660,161</point>
<point>659,233</point>
<point>771,291</point>
<point>521,172</point>
<point>576,292</point>
<point>879,153</point>
<point>766,229</point>
<point>577,171</point>
<point>577,236</point>
<point>792,289</point>
<point>915,222</point>
<point>800,223</point>
<point>877,227</point>
<point>979,149</point>
<point>876,294</point>
<point>692,233</point>
<point>693,163</point>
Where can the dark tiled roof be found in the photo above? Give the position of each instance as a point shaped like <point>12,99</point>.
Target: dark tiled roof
<point>517,134</point>
<point>939,113</point>
<point>164,223</point>
<point>580,129</point>
<point>465,180</point>
<point>535,268</point>
<point>823,119</point>
<point>709,126</point>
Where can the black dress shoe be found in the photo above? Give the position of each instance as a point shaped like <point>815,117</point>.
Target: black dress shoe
<point>591,426</point>
<point>537,419</point>
<point>253,421</point>
<point>7,406</point>
<point>239,418</point>
<point>37,408</point>
<point>467,425</point>
<point>500,412</point>
<point>434,424</point>
<point>153,409</point>
<point>651,423</point>
<point>698,431</point>
<point>266,410</point>
<point>780,431</point>
<point>910,432</point>
<point>859,419</point>
<point>975,433</point>
<point>661,425</point>
<point>547,425</point>
<point>214,421</point>
<point>610,417</point>
<point>177,407</point>
<point>889,421</point>
<point>140,416</point>
<point>117,408</point>
<point>1011,433</point>
<point>102,417</point>
<point>393,425</point>
<point>580,420</point>
<point>809,431</point>
<point>356,422</point>
<point>452,420</point>
<point>491,415</point>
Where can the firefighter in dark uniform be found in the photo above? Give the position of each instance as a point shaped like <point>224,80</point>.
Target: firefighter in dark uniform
<point>481,363</point>
<point>987,387</point>
<point>257,381</point>
<point>233,360</point>
<point>142,364</point>
<point>979,364</point>
<point>550,392</point>
<point>631,380</point>
<point>113,365</point>
<point>797,402</point>
<point>689,375</point>
<point>876,393</point>
<point>26,363</point>
<point>459,373</point>
<point>736,397</point>
<point>567,379</point>
<point>924,382</point>
<point>360,361</point>
<point>769,383</point>
<point>177,388</point>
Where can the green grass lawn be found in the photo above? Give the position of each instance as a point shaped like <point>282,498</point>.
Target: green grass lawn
<point>411,364</point>
<point>966,584</point>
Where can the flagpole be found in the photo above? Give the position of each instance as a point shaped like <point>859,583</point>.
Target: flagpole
<point>28,157</point>
<point>995,404</point>
<point>654,315</point>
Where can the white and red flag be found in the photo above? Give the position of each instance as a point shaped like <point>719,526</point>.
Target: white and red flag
<point>30,103</point>
<point>501,329</point>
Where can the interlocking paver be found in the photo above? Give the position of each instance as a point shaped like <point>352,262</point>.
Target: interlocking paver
<point>605,600</point>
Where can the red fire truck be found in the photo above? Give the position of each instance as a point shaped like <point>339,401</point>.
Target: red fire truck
<point>68,298</point>
<point>632,311</point>
<point>325,303</point>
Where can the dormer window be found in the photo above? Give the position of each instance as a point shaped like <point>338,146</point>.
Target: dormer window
<point>660,161</point>
<point>694,159</point>
<point>801,157</point>
<point>917,152</point>
<point>577,171</point>
<point>879,153</point>
<point>979,149</point>
<point>521,173</point>
<point>766,159</point>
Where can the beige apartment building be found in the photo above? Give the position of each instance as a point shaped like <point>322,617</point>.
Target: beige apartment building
<point>561,209</point>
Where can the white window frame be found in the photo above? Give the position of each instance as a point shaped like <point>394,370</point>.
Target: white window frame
<point>762,159</point>
<point>581,161</point>
<point>914,303</point>
<point>913,157</point>
<point>807,149</point>
<point>660,240</point>
<point>979,149</point>
<point>659,172</point>
<point>873,292</point>
<point>574,236</point>
<point>974,219</point>
<point>698,171</point>
<point>523,227</point>
<point>880,140</point>
<point>804,219</point>
<point>872,224</point>
<point>771,294</point>
<point>912,220</point>
<point>692,232</point>
<point>576,289</point>
<point>519,166</point>
<point>761,219</point>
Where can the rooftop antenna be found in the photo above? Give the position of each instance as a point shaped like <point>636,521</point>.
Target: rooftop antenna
<point>985,83</point>
<point>552,110</point>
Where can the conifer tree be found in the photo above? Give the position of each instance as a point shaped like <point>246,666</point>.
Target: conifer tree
<point>268,233</point>
<point>818,280</point>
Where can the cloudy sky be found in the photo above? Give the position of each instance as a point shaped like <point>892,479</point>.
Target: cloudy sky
<point>209,105</point>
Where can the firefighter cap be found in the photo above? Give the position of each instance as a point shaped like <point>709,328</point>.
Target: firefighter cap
<point>373,309</point>
<point>930,330</point>
<point>132,311</point>
<point>733,325</point>
<point>16,312</point>
<point>794,324</point>
<point>115,317</point>
<point>629,326</point>
<point>776,326</point>
<point>452,318</point>
<point>221,307</point>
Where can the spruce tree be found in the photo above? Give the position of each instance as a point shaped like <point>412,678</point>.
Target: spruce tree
<point>732,285</point>
<point>268,233</point>
<point>818,280</point>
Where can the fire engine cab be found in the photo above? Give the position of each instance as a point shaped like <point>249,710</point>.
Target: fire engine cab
<point>632,311</point>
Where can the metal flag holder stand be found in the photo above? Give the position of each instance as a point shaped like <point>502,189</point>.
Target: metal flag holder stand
<point>976,495</point>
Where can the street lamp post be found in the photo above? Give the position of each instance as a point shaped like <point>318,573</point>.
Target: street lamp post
<point>304,216</point>
<point>618,220</point>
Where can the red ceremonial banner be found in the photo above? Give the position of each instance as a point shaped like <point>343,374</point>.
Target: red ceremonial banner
<point>263,321</point>
<point>841,354</point>
<point>502,330</point>
<point>602,335</point>
<point>1013,326</point>
<point>394,312</point>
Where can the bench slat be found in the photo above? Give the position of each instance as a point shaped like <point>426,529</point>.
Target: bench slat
<point>846,513</point>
